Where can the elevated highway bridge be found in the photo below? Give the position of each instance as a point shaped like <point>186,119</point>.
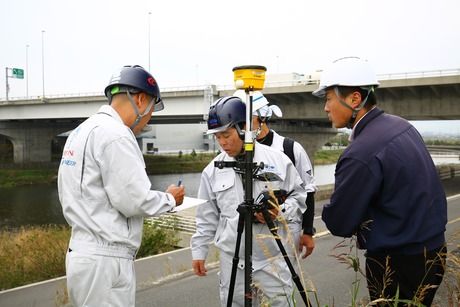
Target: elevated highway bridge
<point>31,124</point>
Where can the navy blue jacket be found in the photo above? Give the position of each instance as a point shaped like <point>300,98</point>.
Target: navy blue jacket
<point>387,189</point>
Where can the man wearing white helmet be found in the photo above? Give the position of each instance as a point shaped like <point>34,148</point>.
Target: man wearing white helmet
<point>260,122</point>
<point>217,219</point>
<point>387,190</point>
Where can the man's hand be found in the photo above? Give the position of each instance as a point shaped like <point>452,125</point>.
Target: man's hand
<point>274,212</point>
<point>308,242</point>
<point>266,200</point>
<point>199,268</point>
<point>177,192</point>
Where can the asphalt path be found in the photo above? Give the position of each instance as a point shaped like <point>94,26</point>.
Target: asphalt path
<point>331,280</point>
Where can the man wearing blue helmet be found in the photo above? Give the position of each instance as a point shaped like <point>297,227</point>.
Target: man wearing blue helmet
<point>217,219</point>
<point>105,192</point>
<point>261,117</point>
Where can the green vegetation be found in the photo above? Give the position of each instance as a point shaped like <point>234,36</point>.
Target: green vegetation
<point>155,165</point>
<point>444,142</point>
<point>327,156</point>
<point>16,177</point>
<point>180,163</point>
<point>32,254</point>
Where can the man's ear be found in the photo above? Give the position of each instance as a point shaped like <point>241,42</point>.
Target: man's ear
<point>356,99</point>
<point>141,99</point>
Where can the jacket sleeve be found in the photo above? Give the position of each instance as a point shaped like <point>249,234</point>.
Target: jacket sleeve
<point>355,188</point>
<point>294,205</point>
<point>207,220</point>
<point>126,182</point>
<point>304,167</point>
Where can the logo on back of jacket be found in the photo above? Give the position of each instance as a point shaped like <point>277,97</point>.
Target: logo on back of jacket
<point>68,155</point>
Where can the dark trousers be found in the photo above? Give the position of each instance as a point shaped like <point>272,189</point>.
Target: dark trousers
<point>411,275</point>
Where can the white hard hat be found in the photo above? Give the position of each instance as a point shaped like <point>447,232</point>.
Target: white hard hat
<point>258,99</point>
<point>348,71</point>
<point>268,111</point>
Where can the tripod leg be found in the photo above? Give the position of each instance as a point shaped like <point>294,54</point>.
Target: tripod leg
<point>295,277</point>
<point>236,258</point>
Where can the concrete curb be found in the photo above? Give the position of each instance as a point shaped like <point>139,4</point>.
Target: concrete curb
<point>150,271</point>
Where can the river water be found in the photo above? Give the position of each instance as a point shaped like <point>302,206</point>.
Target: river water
<point>39,204</point>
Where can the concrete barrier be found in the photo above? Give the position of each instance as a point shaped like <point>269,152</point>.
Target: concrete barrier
<point>448,171</point>
<point>149,271</point>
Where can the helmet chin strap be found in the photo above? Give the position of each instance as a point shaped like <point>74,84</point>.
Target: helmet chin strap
<point>263,121</point>
<point>354,111</point>
<point>136,110</point>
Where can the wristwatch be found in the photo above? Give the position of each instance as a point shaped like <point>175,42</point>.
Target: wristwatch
<point>309,231</point>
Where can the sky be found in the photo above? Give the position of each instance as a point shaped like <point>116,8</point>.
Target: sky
<point>199,42</point>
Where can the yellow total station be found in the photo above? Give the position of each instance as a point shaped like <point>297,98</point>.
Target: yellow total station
<point>249,77</point>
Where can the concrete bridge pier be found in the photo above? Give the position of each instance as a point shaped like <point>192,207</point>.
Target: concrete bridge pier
<point>31,143</point>
<point>311,135</point>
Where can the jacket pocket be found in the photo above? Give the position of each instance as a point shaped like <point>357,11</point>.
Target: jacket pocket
<point>223,187</point>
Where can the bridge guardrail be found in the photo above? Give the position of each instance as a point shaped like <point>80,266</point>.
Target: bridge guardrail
<point>448,171</point>
<point>302,81</point>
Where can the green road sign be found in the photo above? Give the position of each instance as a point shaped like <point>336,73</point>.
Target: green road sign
<point>18,73</point>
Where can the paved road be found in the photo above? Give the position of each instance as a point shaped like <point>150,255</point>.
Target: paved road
<point>332,280</point>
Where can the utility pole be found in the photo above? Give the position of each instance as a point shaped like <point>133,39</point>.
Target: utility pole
<point>150,14</point>
<point>43,64</point>
<point>7,85</point>
<point>27,71</point>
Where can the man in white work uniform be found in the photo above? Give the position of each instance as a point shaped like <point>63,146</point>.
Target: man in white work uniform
<point>105,192</point>
<point>217,219</point>
<point>265,135</point>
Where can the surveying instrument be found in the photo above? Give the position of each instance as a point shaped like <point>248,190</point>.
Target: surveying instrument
<point>251,78</point>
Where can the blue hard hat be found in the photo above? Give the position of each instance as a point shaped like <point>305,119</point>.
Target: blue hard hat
<point>134,79</point>
<point>226,112</point>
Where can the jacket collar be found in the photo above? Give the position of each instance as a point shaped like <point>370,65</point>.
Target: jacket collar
<point>367,118</point>
<point>106,109</point>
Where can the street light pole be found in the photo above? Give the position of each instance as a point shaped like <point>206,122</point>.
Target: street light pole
<point>150,14</point>
<point>6,81</point>
<point>27,71</point>
<point>43,63</point>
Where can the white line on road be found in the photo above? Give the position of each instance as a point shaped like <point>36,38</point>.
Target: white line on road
<point>453,197</point>
<point>453,221</point>
<point>325,233</point>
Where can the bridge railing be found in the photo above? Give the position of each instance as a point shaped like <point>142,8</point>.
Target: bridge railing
<point>305,80</point>
<point>420,74</point>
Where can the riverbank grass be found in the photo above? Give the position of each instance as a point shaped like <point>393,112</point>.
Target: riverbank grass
<point>17,177</point>
<point>177,163</point>
<point>37,253</point>
<point>155,165</point>
<point>323,157</point>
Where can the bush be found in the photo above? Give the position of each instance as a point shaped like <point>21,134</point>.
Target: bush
<point>157,240</point>
<point>33,254</point>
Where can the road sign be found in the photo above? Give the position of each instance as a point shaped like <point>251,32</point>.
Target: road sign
<point>18,73</point>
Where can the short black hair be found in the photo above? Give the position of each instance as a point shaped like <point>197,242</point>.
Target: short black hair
<point>347,90</point>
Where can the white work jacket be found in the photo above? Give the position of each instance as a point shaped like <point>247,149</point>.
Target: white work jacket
<point>217,219</point>
<point>302,162</point>
<point>104,189</point>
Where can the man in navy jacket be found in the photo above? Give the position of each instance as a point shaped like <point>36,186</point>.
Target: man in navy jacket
<point>387,190</point>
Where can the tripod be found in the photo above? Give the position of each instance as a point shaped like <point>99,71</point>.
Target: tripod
<point>251,78</point>
<point>245,211</point>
